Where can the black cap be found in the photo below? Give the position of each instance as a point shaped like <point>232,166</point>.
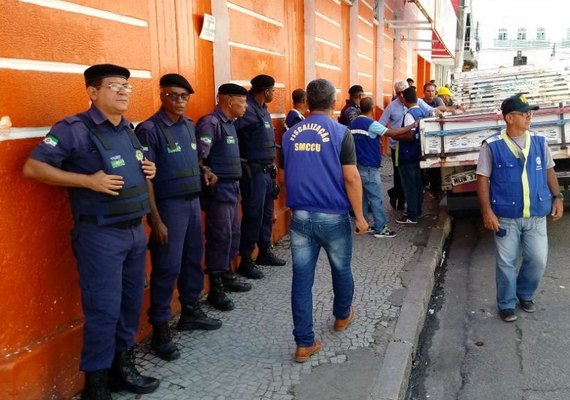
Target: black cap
<point>176,81</point>
<point>263,82</point>
<point>355,89</point>
<point>100,71</point>
<point>232,89</point>
<point>518,102</point>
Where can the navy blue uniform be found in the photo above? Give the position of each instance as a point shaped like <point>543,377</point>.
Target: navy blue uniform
<point>108,237</point>
<point>218,146</point>
<point>172,146</point>
<point>257,146</point>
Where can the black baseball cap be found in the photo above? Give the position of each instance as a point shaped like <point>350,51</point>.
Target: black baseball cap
<point>519,103</point>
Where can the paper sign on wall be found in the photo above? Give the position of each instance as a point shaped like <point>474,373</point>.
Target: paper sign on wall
<point>208,28</point>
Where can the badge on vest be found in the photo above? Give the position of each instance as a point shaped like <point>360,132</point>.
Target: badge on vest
<point>267,125</point>
<point>177,149</point>
<point>117,161</point>
<point>193,145</point>
<point>139,154</point>
<point>538,164</point>
<point>230,140</point>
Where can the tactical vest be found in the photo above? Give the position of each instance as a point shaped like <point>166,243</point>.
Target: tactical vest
<point>408,152</point>
<point>293,117</point>
<point>344,113</point>
<point>313,172</point>
<point>368,150</point>
<point>121,153</point>
<point>257,141</point>
<point>224,159</point>
<point>506,182</point>
<point>178,171</point>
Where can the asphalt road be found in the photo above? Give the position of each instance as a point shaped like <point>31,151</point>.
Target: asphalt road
<point>468,353</point>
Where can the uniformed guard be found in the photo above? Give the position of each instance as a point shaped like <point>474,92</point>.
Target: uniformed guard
<point>351,109</point>
<point>169,139</point>
<point>219,150</point>
<point>257,149</point>
<point>300,107</point>
<point>98,157</point>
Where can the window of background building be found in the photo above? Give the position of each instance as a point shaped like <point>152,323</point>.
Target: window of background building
<point>521,35</point>
<point>540,34</point>
<point>503,34</point>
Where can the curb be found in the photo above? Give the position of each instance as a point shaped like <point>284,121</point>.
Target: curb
<point>392,381</point>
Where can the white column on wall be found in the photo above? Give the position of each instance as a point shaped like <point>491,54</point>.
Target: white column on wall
<point>379,100</point>
<point>310,34</point>
<point>222,61</point>
<point>353,44</point>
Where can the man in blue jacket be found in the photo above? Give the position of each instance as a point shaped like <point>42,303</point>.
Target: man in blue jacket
<point>175,244</point>
<point>322,184</point>
<point>517,188</point>
<point>96,155</point>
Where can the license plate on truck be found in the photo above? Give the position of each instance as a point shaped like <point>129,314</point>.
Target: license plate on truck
<point>463,177</point>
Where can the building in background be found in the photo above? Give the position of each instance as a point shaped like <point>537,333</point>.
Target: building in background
<point>45,45</point>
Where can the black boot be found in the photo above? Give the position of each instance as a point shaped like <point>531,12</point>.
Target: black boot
<point>193,317</point>
<point>162,344</point>
<point>267,257</point>
<point>234,284</point>
<point>125,375</point>
<point>96,386</point>
<point>217,296</point>
<point>248,269</point>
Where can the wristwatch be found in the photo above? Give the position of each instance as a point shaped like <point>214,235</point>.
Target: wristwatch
<point>558,196</point>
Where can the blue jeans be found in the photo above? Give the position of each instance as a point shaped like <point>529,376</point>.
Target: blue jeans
<point>528,234</point>
<point>309,232</point>
<point>372,196</point>
<point>412,181</point>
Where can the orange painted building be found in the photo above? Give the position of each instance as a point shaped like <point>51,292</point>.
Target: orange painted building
<point>44,47</point>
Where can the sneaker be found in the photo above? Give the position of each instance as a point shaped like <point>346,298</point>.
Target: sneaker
<point>405,215</point>
<point>406,220</point>
<point>385,233</point>
<point>342,324</point>
<point>370,230</point>
<point>304,353</point>
<point>508,315</point>
<point>527,305</point>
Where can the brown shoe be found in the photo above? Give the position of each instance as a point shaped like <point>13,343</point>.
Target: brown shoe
<point>342,324</point>
<point>304,353</point>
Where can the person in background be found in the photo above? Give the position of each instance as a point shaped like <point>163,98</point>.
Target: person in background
<point>297,113</point>
<point>392,117</point>
<point>218,149</point>
<point>351,109</point>
<point>320,203</point>
<point>96,155</point>
<point>446,95</point>
<point>408,159</point>
<point>367,133</point>
<point>515,202</point>
<point>169,139</point>
<point>430,96</point>
<point>258,189</point>
<point>410,83</point>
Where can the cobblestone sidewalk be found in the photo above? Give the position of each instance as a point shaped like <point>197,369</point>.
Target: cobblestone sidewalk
<point>251,356</point>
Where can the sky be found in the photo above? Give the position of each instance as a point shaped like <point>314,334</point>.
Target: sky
<point>514,14</point>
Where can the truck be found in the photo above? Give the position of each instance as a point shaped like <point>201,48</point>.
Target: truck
<point>451,143</point>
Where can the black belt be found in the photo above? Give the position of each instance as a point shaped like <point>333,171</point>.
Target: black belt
<point>92,219</point>
<point>189,196</point>
<point>257,168</point>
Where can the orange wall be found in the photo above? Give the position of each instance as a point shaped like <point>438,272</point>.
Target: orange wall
<point>41,311</point>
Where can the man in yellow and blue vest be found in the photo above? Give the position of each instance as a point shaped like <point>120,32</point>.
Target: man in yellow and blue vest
<point>517,189</point>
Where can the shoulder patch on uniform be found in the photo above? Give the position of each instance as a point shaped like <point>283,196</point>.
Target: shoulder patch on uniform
<point>206,139</point>
<point>51,140</point>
